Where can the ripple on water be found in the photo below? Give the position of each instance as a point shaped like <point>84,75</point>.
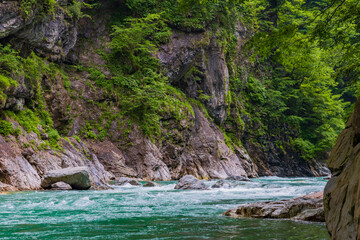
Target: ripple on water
<point>130,212</point>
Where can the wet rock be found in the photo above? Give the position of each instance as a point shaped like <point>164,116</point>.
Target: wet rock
<point>77,177</point>
<point>238,178</point>
<point>190,182</point>
<point>307,208</point>
<point>151,184</point>
<point>341,194</point>
<point>125,180</point>
<point>60,186</point>
<point>223,184</point>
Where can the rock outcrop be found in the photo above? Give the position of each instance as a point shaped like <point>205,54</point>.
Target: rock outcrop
<point>23,167</point>
<point>78,178</point>
<point>189,182</point>
<point>51,35</point>
<point>307,208</point>
<point>342,192</point>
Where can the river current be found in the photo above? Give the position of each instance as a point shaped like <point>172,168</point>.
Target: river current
<point>130,212</point>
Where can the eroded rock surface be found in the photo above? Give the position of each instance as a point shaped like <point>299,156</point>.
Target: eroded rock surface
<point>342,192</point>
<point>307,208</point>
<point>22,167</point>
<point>77,177</point>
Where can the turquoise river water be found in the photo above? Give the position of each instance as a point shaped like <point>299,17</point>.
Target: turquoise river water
<point>130,212</point>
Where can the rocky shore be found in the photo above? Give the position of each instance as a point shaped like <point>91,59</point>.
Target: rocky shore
<point>307,208</point>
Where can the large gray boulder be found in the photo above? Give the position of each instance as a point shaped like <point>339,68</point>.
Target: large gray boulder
<point>77,177</point>
<point>307,208</point>
<point>190,182</point>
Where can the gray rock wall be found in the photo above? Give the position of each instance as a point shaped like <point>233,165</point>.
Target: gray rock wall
<point>342,192</point>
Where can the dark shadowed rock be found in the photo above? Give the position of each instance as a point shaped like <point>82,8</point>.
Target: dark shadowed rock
<point>151,184</point>
<point>190,182</point>
<point>238,178</point>
<point>125,180</point>
<point>60,186</point>
<point>307,208</point>
<point>77,177</point>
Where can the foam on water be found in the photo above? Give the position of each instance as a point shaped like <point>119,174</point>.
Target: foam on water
<point>131,212</point>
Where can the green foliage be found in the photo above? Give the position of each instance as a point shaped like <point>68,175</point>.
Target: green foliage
<point>32,69</point>
<point>6,128</point>
<point>75,9</point>
<point>190,15</point>
<point>54,137</point>
<point>44,6</point>
<point>141,89</point>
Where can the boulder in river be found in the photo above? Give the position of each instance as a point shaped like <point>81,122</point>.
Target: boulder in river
<point>151,184</point>
<point>125,180</point>
<point>60,186</point>
<point>190,182</point>
<point>307,208</point>
<point>77,177</point>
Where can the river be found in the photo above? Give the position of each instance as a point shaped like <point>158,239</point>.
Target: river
<point>130,212</point>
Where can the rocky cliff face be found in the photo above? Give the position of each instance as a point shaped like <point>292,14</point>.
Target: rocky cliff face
<point>194,62</point>
<point>341,195</point>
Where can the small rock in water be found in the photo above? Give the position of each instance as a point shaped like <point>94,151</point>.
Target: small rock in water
<point>151,184</point>
<point>238,178</point>
<point>125,180</point>
<point>223,184</point>
<point>60,186</point>
<point>190,182</point>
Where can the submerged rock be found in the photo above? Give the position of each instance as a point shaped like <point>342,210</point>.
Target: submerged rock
<point>77,177</point>
<point>223,184</point>
<point>125,180</point>
<point>307,208</point>
<point>60,186</point>
<point>238,178</point>
<point>151,184</point>
<point>190,182</point>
